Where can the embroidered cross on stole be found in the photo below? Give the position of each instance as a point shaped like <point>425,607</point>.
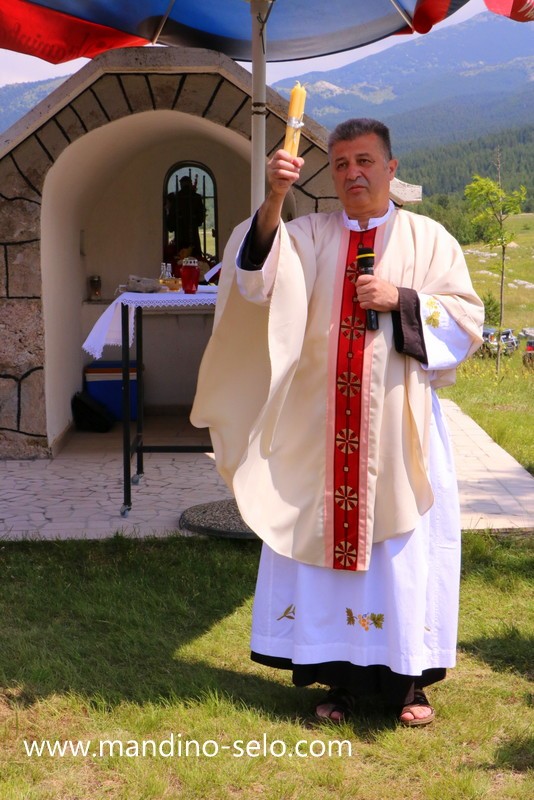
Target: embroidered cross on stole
<point>351,344</point>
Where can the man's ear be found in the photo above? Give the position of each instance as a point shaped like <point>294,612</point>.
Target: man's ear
<point>392,168</point>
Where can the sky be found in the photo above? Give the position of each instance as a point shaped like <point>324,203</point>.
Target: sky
<point>18,68</point>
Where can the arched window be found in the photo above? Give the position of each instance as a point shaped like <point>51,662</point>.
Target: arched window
<point>190,213</point>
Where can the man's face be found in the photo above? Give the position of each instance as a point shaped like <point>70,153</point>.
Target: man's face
<point>362,173</point>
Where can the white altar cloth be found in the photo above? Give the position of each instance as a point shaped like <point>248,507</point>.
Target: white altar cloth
<point>107,329</point>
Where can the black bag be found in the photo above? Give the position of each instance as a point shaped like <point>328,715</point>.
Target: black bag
<point>90,415</point>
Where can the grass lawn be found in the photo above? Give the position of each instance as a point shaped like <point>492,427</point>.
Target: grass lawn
<point>138,641</point>
<point>503,405</point>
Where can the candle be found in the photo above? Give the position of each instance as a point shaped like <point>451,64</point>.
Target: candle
<point>294,120</point>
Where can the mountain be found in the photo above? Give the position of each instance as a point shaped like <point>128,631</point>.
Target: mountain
<point>16,99</point>
<point>474,76</point>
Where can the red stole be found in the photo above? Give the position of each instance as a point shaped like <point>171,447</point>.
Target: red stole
<point>349,369</point>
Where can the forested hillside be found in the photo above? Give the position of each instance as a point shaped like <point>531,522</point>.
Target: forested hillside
<point>455,84</point>
<point>18,98</point>
<point>447,169</point>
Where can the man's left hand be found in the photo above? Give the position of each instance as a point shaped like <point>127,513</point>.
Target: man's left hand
<point>377,294</point>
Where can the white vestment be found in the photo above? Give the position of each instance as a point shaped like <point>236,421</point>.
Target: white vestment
<point>266,384</point>
<point>264,392</point>
<point>309,615</point>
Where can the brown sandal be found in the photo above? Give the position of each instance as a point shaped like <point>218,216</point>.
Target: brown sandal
<point>419,699</point>
<point>341,701</point>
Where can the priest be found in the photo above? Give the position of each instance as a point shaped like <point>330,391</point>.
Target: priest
<point>331,334</point>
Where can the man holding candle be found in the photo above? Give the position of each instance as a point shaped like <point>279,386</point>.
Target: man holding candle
<point>331,435</point>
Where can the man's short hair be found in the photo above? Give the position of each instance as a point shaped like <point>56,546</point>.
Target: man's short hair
<point>352,128</point>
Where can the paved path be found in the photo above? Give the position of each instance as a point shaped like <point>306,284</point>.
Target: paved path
<point>79,493</point>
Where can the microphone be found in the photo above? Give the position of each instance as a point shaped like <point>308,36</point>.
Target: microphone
<point>366,261</point>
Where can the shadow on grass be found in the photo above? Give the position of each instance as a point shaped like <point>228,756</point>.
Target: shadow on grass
<point>517,754</point>
<point>106,621</point>
<point>508,650</point>
<point>507,563</point>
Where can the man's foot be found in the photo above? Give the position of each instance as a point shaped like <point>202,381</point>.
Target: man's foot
<point>420,712</point>
<point>337,706</point>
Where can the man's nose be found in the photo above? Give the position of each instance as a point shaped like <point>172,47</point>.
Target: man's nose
<point>353,172</point>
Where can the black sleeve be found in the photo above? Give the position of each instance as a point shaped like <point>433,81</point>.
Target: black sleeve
<point>252,256</point>
<point>407,326</point>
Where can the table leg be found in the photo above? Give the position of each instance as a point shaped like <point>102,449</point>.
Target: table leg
<point>140,392</point>
<point>126,454</point>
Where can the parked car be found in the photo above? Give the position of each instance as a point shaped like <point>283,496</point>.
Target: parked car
<point>509,342</point>
<point>530,346</point>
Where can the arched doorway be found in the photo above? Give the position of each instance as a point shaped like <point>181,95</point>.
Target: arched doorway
<point>101,214</point>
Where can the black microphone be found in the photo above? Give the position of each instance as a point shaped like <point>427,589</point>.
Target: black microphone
<point>366,261</point>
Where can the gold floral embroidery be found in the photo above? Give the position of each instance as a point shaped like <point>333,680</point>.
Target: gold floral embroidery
<point>346,498</point>
<point>365,620</point>
<point>345,554</point>
<point>289,613</point>
<point>377,620</point>
<point>434,315</point>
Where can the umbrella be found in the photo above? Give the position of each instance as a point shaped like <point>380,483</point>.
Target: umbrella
<point>61,30</point>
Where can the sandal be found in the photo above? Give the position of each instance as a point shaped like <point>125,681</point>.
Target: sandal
<point>419,699</point>
<point>339,701</point>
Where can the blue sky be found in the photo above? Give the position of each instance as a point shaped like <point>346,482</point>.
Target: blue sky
<point>18,68</point>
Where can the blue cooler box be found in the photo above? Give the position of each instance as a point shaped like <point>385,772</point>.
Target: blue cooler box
<point>103,382</point>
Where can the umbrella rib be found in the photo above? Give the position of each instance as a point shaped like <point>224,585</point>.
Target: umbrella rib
<point>404,14</point>
<point>263,22</point>
<point>162,22</point>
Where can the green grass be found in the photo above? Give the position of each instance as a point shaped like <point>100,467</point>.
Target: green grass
<point>138,640</point>
<point>503,405</point>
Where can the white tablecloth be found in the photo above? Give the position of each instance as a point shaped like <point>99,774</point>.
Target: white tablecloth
<point>107,329</point>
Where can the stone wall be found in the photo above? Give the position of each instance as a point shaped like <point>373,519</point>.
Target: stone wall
<point>22,403</point>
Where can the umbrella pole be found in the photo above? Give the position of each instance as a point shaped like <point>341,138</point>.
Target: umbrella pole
<point>259,10</point>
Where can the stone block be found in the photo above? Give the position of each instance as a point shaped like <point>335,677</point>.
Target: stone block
<point>225,104</point>
<point>53,138</point>
<point>32,403</point>
<point>21,446</point>
<point>164,88</point>
<point>3,273</point>
<point>24,269</point>
<point>22,336</point>
<point>242,120</point>
<point>33,162</point>
<point>196,93</point>
<point>320,184</point>
<point>315,167</point>
<point>138,92</point>
<point>9,403</point>
<point>13,184</point>
<point>109,92</point>
<point>70,123</point>
<point>275,133</point>
<point>20,220</point>
<point>326,205</point>
<point>89,110</point>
